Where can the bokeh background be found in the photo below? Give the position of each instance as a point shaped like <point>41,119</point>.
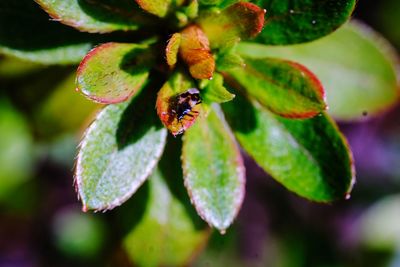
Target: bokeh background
<point>41,223</point>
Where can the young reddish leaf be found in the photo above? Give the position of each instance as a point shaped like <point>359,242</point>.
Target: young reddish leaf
<point>309,157</point>
<point>195,51</point>
<point>242,20</point>
<point>159,8</point>
<point>172,49</point>
<point>118,152</point>
<point>167,234</point>
<point>95,16</point>
<point>112,72</point>
<point>167,103</point>
<point>213,170</point>
<point>299,21</point>
<point>284,87</point>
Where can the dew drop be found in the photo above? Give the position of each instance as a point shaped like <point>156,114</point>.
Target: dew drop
<point>314,22</point>
<point>222,232</point>
<point>291,11</point>
<point>348,196</point>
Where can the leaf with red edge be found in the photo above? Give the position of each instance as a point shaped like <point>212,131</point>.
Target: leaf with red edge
<point>113,72</point>
<point>361,79</point>
<point>195,51</point>
<point>309,157</point>
<point>172,49</point>
<point>95,16</point>
<point>284,87</point>
<point>119,151</point>
<point>239,21</point>
<point>167,103</point>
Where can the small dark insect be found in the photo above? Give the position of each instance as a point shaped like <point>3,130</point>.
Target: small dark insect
<point>185,103</point>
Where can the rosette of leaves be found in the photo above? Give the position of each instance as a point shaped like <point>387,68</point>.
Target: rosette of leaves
<point>149,53</point>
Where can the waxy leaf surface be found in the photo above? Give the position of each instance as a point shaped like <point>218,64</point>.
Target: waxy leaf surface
<point>299,21</point>
<point>356,66</point>
<point>167,104</point>
<point>213,170</point>
<point>284,87</point>
<point>118,152</point>
<point>239,21</point>
<point>113,72</point>
<point>94,15</point>
<point>196,53</point>
<point>168,234</point>
<point>309,157</point>
<point>26,32</point>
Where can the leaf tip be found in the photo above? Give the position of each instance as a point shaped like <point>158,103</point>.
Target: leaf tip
<point>85,208</point>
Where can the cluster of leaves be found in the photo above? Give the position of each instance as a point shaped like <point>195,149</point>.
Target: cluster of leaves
<point>151,52</point>
<point>123,145</point>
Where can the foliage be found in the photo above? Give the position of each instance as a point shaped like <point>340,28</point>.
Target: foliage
<point>251,94</point>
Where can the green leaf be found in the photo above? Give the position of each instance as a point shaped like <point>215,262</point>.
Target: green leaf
<point>284,87</point>
<point>219,3</point>
<point>167,234</point>
<point>228,58</point>
<point>156,7</point>
<point>213,91</point>
<point>299,21</point>
<point>379,227</point>
<point>192,9</point>
<point>172,49</point>
<point>213,170</point>
<point>118,152</point>
<point>239,21</point>
<point>27,33</point>
<point>77,234</point>
<point>50,117</point>
<point>113,72</point>
<point>14,68</point>
<point>94,16</point>
<point>309,157</point>
<point>355,65</point>
<point>16,153</point>
<point>166,104</point>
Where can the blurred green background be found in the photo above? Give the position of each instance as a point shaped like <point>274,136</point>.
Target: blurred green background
<point>41,223</point>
